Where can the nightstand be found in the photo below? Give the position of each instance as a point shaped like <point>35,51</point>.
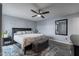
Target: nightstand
<point>7,41</point>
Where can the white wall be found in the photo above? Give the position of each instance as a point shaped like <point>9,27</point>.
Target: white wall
<point>9,22</point>
<point>73,24</point>
<point>47,27</point>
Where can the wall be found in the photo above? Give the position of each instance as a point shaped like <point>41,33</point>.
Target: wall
<point>47,27</point>
<point>73,24</point>
<point>9,22</point>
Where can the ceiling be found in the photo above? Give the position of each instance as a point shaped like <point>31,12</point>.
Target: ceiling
<point>22,10</point>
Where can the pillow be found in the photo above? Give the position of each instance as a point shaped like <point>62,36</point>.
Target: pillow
<point>18,33</point>
<point>29,32</point>
<point>23,32</point>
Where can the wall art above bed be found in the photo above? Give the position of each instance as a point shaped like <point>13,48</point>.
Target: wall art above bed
<point>61,27</point>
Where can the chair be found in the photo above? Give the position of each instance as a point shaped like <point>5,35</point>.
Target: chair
<point>75,41</point>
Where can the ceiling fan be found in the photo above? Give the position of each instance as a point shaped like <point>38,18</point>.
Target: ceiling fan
<point>39,13</point>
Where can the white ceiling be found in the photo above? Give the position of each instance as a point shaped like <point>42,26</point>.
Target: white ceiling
<point>22,10</point>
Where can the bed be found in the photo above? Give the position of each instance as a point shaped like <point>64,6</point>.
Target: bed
<point>29,39</point>
<point>25,39</point>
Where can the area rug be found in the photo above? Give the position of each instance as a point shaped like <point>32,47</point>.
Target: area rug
<point>11,50</point>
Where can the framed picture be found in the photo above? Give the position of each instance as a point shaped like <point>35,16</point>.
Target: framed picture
<point>61,27</point>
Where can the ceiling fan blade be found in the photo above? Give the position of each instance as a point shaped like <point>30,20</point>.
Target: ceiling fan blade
<point>34,16</point>
<point>39,10</point>
<point>34,11</point>
<point>45,12</point>
<point>42,16</point>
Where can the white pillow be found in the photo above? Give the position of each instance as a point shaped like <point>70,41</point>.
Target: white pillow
<point>23,32</point>
<point>18,33</point>
<point>29,32</point>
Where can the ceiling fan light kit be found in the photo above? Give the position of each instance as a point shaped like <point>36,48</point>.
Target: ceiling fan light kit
<point>39,13</point>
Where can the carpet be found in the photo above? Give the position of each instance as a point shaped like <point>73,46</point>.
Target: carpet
<point>13,50</point>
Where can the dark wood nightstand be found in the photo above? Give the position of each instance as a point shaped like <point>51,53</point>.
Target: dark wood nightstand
<point>7,41</point>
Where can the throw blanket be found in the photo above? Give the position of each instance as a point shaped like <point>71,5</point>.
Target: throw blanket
<point>34,40</point>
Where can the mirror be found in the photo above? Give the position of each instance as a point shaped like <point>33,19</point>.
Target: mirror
<point>61,27</point>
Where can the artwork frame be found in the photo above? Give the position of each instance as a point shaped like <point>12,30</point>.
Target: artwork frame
<point>61,27</point>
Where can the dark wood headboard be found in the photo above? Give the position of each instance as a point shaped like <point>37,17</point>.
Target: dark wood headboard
<point>14,30</point>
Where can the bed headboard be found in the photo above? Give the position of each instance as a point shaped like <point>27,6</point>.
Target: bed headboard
<point>14,30</point>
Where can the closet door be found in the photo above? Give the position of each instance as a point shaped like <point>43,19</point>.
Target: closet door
<point>0,28</point>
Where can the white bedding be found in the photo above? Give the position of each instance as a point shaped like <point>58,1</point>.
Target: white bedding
<point>20,38</point>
